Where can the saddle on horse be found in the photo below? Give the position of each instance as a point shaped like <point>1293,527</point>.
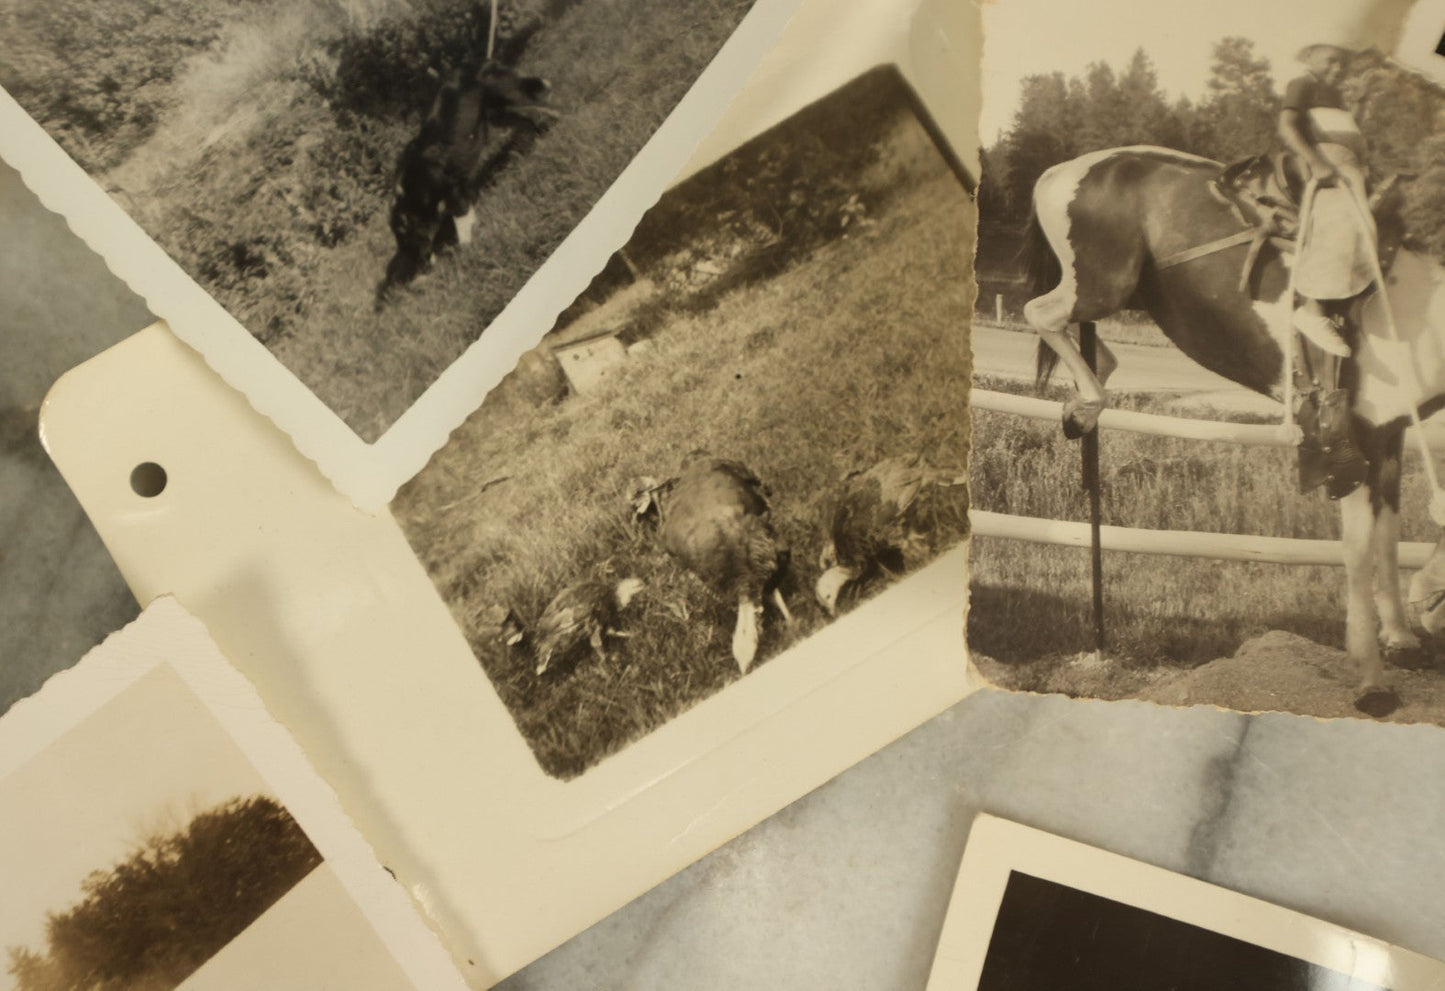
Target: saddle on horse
<point>1265,192</point>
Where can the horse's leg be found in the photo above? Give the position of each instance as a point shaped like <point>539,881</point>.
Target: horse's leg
<point>1357,517</point>
<point>464,224</point>
<point>411,247</point>
<point>1401,645</point>
<point>1395,631</point>
<point>446,235</point>
<point>1092,284</point>
<point>1105,361</point>
<point>1049,315</point>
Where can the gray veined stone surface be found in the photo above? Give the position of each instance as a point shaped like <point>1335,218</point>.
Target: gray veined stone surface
<point>847,887</point>
<point>59,592</point>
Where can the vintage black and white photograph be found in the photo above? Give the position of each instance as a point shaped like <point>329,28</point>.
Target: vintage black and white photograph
<point>754,420</point>
<point>1032,911</point>
<point>145,849</point>
<point>1181,339</point>
<point>1050,936</point>
<point>363,184</point>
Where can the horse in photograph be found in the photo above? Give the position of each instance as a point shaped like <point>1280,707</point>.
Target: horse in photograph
<point>441,171</point>
<point>1149,228</point>
<point>714,518</point>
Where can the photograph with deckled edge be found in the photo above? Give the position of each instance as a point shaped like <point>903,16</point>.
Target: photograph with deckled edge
<point>147,850</point>
<point>753,420</point>
<point>316,167</point>
<point>1158,181</point>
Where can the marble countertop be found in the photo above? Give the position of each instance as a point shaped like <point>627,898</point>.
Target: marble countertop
<point>847,887</point>
<point>59,305</point>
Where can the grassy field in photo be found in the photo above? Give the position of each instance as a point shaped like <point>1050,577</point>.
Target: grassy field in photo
<point>1031,603</point>
<point>855,351</point>
<point>257,143</point>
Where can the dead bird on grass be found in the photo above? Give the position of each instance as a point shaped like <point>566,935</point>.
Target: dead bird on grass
<point>869,523</point>
<point>715,519</point>
<point>585,613</point>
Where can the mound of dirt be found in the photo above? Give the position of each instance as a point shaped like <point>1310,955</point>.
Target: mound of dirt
<point>1275,672</point>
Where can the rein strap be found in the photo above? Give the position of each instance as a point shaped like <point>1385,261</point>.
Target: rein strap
<point>1255,237</point>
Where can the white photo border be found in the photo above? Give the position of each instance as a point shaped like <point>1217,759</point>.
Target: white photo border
<point>997,848</point>
<point>333,617</point>
<point>166,636</point>
<point>370,474</point>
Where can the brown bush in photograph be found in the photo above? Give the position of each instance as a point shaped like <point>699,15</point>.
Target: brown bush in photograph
<point>258,143</point>
<point>812,320</point>
<point>150,921</point>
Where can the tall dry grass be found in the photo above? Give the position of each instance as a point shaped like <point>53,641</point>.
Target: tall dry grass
<point>616,69</point>
<point>1030,603</point>
<point>224,131</point>
<point>856,353</point>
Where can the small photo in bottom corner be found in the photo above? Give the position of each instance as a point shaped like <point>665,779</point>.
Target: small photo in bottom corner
<point>145,849</point>
<point>754,421</point>
<point>1036,912</point>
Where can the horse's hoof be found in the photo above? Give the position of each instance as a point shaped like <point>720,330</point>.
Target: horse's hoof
<point>1412,657</point>
<point>1377,702</point>
<point>1080,418</point>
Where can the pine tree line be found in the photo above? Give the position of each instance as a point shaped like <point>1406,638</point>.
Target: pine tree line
<point>1401,114</point>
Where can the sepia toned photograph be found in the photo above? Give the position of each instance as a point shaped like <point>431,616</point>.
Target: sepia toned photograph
<point>146,850</point>
<point>1207,346</point>
<point>754,420</point>
<point>1037,912</point>
<point>135,880</point>
<point>363,184</point>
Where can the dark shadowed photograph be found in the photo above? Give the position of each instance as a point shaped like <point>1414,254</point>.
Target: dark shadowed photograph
<point>362,184</point>
<point>1053,937</point>
<point>753,420</point>
<point>1207,346</point>
<point>1035,911</point>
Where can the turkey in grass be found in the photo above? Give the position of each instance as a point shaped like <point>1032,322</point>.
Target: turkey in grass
<point>585,613</point>
<point>714,518</point>
<point>869,523</point>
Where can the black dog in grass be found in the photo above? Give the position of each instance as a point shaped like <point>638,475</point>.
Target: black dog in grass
<point>441,172</point>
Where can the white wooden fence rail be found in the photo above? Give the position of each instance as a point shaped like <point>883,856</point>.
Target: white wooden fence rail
<point>1252,434</point>
<point>1178,543</point>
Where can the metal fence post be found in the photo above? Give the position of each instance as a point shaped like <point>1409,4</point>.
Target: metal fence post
<point>1088,337</point>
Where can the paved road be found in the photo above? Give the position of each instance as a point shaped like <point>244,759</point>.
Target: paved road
<point>1142,368</point>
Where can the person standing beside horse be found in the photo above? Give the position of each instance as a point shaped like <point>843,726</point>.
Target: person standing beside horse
<point>1334,256</point>
<point>1333,261</point>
